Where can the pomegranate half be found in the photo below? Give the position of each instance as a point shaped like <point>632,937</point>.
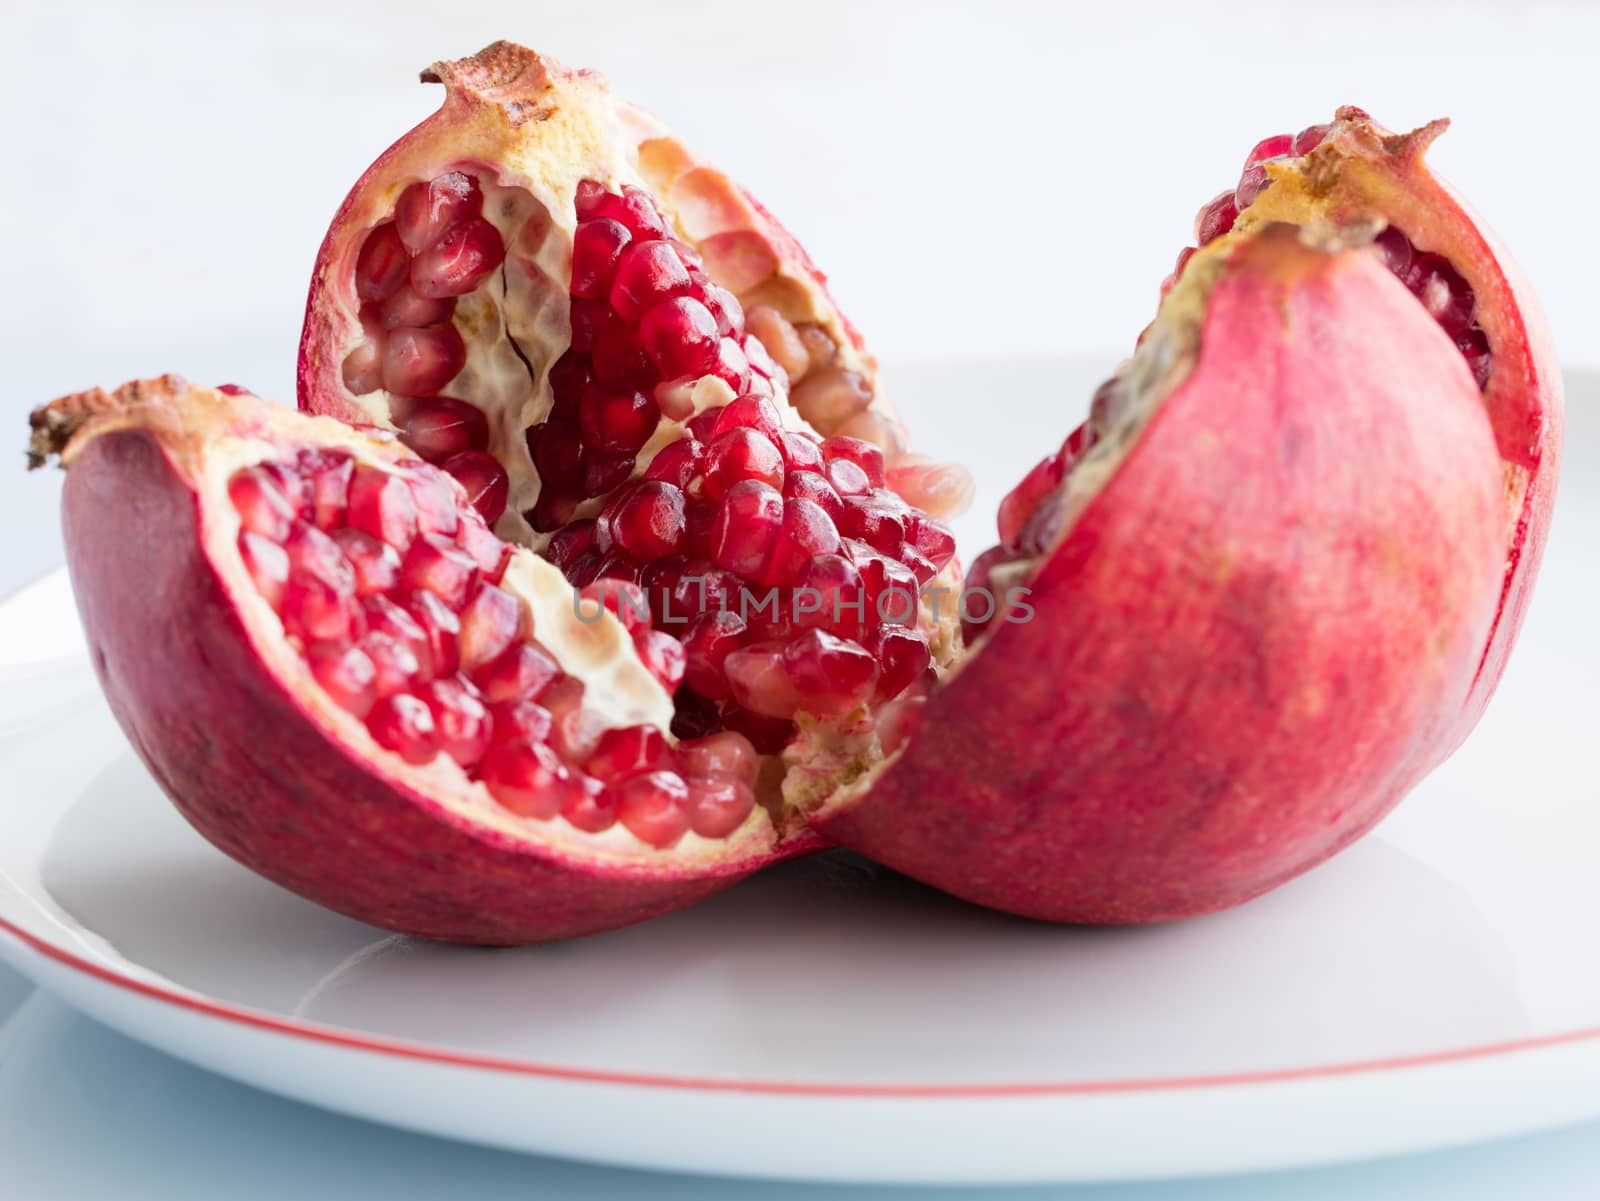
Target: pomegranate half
<point>1264,589</point>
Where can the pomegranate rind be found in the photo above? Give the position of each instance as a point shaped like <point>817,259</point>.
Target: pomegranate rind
<point>1363,171</point>
<point>1248,644</point>
<point>223,713</point>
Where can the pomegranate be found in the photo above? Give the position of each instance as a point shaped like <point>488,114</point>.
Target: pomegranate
<point>589,605</point>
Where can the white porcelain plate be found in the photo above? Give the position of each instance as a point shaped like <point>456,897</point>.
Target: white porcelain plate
<point>1434,985</point>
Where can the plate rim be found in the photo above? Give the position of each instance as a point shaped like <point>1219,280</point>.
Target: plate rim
<point>347,1039</point>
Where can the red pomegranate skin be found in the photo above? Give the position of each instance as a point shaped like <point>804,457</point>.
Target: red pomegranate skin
<point>250,769</point>
<point>1366,170</point>
<point>1250,644</point>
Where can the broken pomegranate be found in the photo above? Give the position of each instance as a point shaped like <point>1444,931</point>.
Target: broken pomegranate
<point>618,581</point>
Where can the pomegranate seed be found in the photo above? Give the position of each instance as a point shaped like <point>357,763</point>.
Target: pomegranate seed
<point>618,356</point>
<point>436,500</point>
<point>626,601</point>
<point>932,539</point>
<point>830,595</point>
<point>618,566</point>
<point>420,362</point>
<point>557,449</point>
<point>527,778</point>
<point>587,197</point>
<point>382,263</point>
<point>520,673</point>
<point>1474,346</point>
<point>634,750</point>
<point>902,657</point>
<point>862,453</point>
<point>426,210</point>
<point>808,485</point>
<point>377,567</point>
<point>680,337</point>
<point>890,588</point>
<point>262,507</point>
<point>1215,218</point>
<point>760,361</point>
<point>441,630</point>
<point>847,478</point>
<point>832,675</point>
<point>649,520</point>
<point>362,369</point>
<point>654,807</point>
<point>759,681</point>
<point>460,721</point>
<point>898,720</point>
<point>330,493</point>
<point>751,413</point>
<point>382,505</point>
<point>404,725</point>
<point>551,512</point>
<point>458,262</point>
<point>730,366</point>
<point>1276,146</point>
<point>588,320</point>
<point>570,541</point>
<point>1396,250</point>
<point>604,470</point>
<point>807,531</point>
<point>747,522</point>
<point>1308,139</point>
<point>632,208</point>
<point>739,455</point>
<point>648,272</point>
<point>484,479</point>
<point>677,462</point>
<point>520,721</point>
<point>596,246</point>
<point>1447,297</point>
<point>727,311</point>
<point>831,397</point>
<point>724,754</point>
<point>712,637</point>
<point>568,378</point>
<point>616,417</point>
<point>384,616</point>
<point>319,610</point>
<point>445,426</point>
<point>1251,184</point>
<point>1022,500</point>
<point>490,622</point>
<point>574,732</point>
<point>394,662</point>
<point>878,519</point>
<point>488,552</point>
<point>801,453</point>
<point>406,309</point>
<point>441,568</point>
<point>662,656</point>
<point>268,565</point>
<point>590,806</point>
<point>718,805</point>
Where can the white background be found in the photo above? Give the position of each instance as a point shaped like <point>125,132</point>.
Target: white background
<point>981,179</point>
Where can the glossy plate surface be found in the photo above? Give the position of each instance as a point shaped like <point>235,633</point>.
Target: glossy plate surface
<point>1432,986</point>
